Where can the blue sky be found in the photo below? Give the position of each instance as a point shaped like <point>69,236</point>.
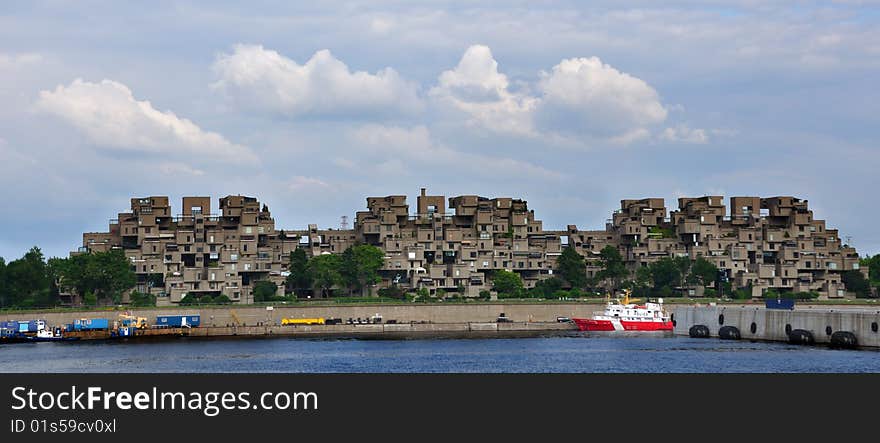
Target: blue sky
<point>312,108</point>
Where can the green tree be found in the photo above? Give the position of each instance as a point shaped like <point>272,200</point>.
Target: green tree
<point>27,281</point>
<point>222,299</point>
<point>613,268</point>
<point>299,279</point>
<point>703,272</point>
<point>325,272</point>
<point>507,283</point>
<point>856,282</point>
<point>571,267</point>
<point>140,299</point>
<point>873,264</point>
<point>665,273</point>
<point>683,263</point>
<point>264,290</point>
<point>4,287</point>
<point>104,274</point>
<point>547,288</point>
<point>360,266</point>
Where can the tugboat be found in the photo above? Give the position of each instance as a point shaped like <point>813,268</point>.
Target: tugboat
<point>627,316</point>
<point>47,334</point>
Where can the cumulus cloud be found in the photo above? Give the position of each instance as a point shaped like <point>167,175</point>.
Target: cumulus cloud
<point>585,94</point>
<point>173,168</point>
<point>684,134</point>
<point>300,183</point>
<point>402,149</point>
<point>581,96</point>
<point>266,80</point>
<point>109,115</point>
<point>10,61</point>
<point>476,87</point>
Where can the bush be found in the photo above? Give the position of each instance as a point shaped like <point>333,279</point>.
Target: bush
<point>665,291</point>
<point>742,294</point>
<point>709,292</point>
<point>392,292</point>
<point>139,299</point>
<point>90,299</point>
<point>485,295</point>
<point>221,299</point>
<point>265,290</point>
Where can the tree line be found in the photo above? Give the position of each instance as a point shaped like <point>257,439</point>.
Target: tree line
<point>101,278</point>
<point>32,281</point>
<point>354,271</point>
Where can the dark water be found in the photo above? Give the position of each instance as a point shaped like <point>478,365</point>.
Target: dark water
<point>551,354</point>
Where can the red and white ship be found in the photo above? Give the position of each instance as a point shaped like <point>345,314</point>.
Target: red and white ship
<point>626,316</point>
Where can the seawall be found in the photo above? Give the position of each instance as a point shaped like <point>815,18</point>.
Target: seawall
<point>759,323</point>
<point>403,313</point>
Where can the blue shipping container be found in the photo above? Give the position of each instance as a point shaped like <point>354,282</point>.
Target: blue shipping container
<point>179,321</point>
<point>91,324</point>
<point>783,303</point>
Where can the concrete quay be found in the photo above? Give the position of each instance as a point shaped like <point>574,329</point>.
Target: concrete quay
<point>364,331</point>
<point>759,323</point>
<point>402,313</point>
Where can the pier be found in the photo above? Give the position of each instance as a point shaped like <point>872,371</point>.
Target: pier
<point>759,323</point>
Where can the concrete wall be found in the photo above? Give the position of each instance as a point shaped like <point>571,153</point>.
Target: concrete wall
<point>453,313</point>
<point>771,324</point>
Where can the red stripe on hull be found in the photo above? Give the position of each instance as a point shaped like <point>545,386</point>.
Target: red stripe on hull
<point>605,325</point>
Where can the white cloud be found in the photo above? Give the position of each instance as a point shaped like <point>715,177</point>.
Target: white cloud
<point>684,134</point>
<point>300,182</point>
<point>586,95</point>
<point>578,96</point>
<point>172,168</point>
<point>413,149</point>
<point>477,88</point>
<point>110,116</point>
<point>324,85</point>
<point>11,61</point>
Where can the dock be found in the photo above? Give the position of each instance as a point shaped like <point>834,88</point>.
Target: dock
<point>802,325</point>
<point>373,331</point>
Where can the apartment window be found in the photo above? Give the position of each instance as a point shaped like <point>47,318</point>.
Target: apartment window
<point>233,257</point>
<point>154,248</point>
<point>247,266</point>
<point>244,247</point>
<point>485,264</point>
<point>148,229</point>
<point>248,230</point>
<point>188,239</point>
<point>389,228</point>
<point>213,276</point>
<point>723,264</point>
<point>211,239</point>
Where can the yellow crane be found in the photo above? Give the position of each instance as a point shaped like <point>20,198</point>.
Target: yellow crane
<point>235,318</point>
<point>131,320</point>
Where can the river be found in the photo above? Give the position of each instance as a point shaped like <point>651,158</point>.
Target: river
<point>576,353</point>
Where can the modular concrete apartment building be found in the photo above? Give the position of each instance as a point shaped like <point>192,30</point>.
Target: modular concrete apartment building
<point>764,242</point>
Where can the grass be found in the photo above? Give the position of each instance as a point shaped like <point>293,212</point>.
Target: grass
<point>375,301</point>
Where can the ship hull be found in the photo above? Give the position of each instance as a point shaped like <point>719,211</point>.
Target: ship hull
<point>621,325</point>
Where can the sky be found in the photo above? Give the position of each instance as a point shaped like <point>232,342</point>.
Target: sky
<point>312,107</point>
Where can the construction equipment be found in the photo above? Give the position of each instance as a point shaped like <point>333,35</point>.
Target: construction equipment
<point>302,321</point>
<point>129,320</point>
<point>235,319</point>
